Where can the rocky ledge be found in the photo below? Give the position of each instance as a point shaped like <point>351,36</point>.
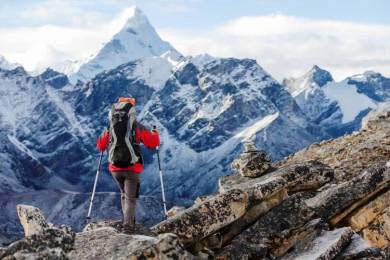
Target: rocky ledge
<point>329,201</point>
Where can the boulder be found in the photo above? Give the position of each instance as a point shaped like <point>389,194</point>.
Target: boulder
<point>272,230</point>
<point>108,243</point>
<point>50,243</point>
<point>334,201</point>
<point>367,213</point>
<point>325,247</point>
<point>32,219</point>
<point>299,176</point>
<point>42,241</point>
<point>252,163</point>
<point>378,232</point>
<point>205,218</point>
<point>229,232</point>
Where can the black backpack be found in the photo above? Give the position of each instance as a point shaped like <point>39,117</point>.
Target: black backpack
<point>121,152</point>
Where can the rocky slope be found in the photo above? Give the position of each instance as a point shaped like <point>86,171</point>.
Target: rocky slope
<point>315,204</point>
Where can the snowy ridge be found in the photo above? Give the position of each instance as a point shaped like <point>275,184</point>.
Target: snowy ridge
<point>338,107</point>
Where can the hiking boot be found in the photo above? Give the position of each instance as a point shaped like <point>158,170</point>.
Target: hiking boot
<point>128,230</point>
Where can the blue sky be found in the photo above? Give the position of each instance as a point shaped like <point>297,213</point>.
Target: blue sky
<point>285,36</point>
<point>203,14</point>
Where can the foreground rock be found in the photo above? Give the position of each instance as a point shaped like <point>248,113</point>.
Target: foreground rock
<point>340,200</point>
<point>42,241</point>
<point>206,217</point>
<point>32,219</point>
<point>325,246</point>
<point>100,240</point>
<point>237,208</point>
<point>107,243</point>
<point>333,204</point>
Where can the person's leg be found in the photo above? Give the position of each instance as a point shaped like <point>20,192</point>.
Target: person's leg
<point>119,178</point>
<point>131,194</point>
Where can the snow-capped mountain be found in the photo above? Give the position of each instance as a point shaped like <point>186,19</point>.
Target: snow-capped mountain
<point>6,65</point>
<point>137,39</point>
<point>205,108</point>
<point>372,84</point>
<point>338,107</point>
<point>42,128</point>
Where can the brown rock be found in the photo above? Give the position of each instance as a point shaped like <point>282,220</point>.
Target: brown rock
<point>338,198</point>
<point>366,214</point>
<point>378,232</point>
<point>271,230</point>
<point>32,219</point>
<point>107,243</point>
<point>205,218</point>
<point>300,176</point>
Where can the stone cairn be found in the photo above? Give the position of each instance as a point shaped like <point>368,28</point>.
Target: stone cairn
<point>252,163</point>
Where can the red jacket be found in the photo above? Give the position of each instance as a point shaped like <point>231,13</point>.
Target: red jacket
<point>150,139</point>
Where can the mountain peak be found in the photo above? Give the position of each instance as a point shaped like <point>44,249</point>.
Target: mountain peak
<point>136,40</point>
<point>136,19</point>
<point>319,76</point>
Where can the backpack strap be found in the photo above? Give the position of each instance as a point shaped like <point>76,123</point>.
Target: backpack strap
<point>129,135</point>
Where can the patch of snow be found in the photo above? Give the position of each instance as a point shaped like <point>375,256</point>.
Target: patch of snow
<point>320,246</point>
<point>359,78</point>
<point>201,59</point>
<point>155,71</point>
<point>22,147</point>
<point>250,131</point>
<point>350,101</point>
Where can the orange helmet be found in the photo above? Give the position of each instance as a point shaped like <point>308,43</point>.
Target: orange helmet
<point>129,100</point>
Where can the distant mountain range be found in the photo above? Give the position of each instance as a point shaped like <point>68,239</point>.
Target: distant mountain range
<point>205,109</point>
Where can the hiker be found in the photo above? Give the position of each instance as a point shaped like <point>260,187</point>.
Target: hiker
<point>123,138</point>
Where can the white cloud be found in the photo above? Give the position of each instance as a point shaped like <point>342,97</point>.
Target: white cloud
<point>284,45</point>
<point>39,47</point>
<point>288,46</point>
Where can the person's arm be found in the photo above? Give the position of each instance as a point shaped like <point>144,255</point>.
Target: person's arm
<point>102,141</point>
<point>150,139</point>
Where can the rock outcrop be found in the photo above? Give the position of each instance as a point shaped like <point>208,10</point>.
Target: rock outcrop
<point>329,201</point>
<point>42,241</point>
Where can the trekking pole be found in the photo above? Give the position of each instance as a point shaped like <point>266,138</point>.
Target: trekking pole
<point>161,179</point>
<point>94,186</point>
